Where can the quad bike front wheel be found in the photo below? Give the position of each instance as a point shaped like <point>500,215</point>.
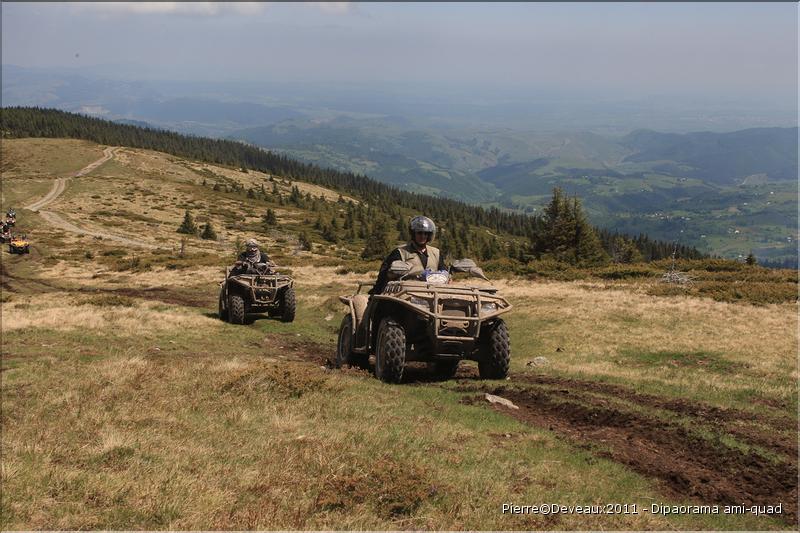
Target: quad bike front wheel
<point>390,354</point>
<point>289,305</point>
<point>495,354</point>
<point>236,309</point>
<point>223,311</point>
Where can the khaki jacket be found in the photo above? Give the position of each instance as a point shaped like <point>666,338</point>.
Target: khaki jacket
<point>409,253</point>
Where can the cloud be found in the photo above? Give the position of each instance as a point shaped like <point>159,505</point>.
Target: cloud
<point>333,7</point>
<point>169,8</point>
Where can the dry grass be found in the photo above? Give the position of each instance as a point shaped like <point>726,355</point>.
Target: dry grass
<point>127,409</point>
<point>31,159</point>
<point>740,352</point>
<point>52,312</point>
<point>190,441</point>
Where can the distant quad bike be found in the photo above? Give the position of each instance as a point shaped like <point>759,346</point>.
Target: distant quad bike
<point>19,245</point>
<point>250,288</point>
<point>5,235</point>
<point>11,220</point>
<point>431,321</point>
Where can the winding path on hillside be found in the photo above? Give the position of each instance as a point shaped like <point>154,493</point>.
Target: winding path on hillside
<point>60,222</point>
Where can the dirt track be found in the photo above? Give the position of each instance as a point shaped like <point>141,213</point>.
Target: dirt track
<point>614,422</point>
<point>60,184</point>
<point>60,222</point>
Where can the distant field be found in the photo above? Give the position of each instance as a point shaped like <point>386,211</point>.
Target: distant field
<point>127,404</point>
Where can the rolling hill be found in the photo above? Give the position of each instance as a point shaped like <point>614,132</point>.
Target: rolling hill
<point>719,158</point>
<point>128,404</point>
<point>646,181</point>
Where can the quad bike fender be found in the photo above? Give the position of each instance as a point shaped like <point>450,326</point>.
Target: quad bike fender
<point>357,306</point>
<point>348,301</point>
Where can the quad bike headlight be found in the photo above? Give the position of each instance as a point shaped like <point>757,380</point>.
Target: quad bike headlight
<point>422,302</point>
<point>488,307</point>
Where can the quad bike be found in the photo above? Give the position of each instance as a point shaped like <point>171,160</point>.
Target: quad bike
<point>11,220</point>
<point>19,245</point>
<point>249,288</point>
<point>5,236</point>
<point>431,320</point>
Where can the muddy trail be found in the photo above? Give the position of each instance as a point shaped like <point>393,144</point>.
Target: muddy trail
<point>619,424</point>
<point>675,441</point>
<point>771,431</point>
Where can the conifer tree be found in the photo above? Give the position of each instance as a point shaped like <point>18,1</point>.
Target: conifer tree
<point>377,244</point>
<point>329,234</point>
<point>588,248</point>
<point>305,243</point>
<point>295,197</point>
<point>566,234</point>
<point>269,219</point>
<point>208,232</point>
<point>624,251</point>
<point>188,226</point>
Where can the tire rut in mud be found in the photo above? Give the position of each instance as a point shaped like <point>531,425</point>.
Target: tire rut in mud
<point>688,464</point>
<point>773,432</point>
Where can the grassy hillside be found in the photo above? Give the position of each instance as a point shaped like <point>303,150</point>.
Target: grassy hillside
<point>128,405</point>
<point>644,182</point>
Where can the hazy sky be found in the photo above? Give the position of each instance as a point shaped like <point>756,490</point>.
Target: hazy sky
<point>731,49</point>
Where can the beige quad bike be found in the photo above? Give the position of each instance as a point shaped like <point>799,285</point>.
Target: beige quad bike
<point>429,320</point>
<point>256,289</point>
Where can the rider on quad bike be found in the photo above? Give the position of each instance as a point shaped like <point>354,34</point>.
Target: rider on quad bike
<point>252,260</point>
<point>252,285</point>
<point>415,314</point>
<point>416,251</point>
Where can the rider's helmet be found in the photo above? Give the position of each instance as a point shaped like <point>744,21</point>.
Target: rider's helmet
<point>424,224</point>
<point>251,244</point>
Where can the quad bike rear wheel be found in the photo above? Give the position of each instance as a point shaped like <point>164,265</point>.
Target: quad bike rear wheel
<point>390,355</point>
<point>288,306</point>
<point>495,354</point>
<point>344,347</point>
<point>223,311</point>
<point>236,309</point>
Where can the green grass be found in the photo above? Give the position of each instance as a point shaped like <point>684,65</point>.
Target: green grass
<point>136,411</point>
<point>708,361</point>
<point>115,435</point>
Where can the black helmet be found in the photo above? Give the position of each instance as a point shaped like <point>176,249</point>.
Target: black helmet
<point>424,224</point>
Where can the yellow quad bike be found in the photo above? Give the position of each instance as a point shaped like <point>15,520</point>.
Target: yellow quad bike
<point>19,245</point>
<point>426,319</point>
<point>256,289</point>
